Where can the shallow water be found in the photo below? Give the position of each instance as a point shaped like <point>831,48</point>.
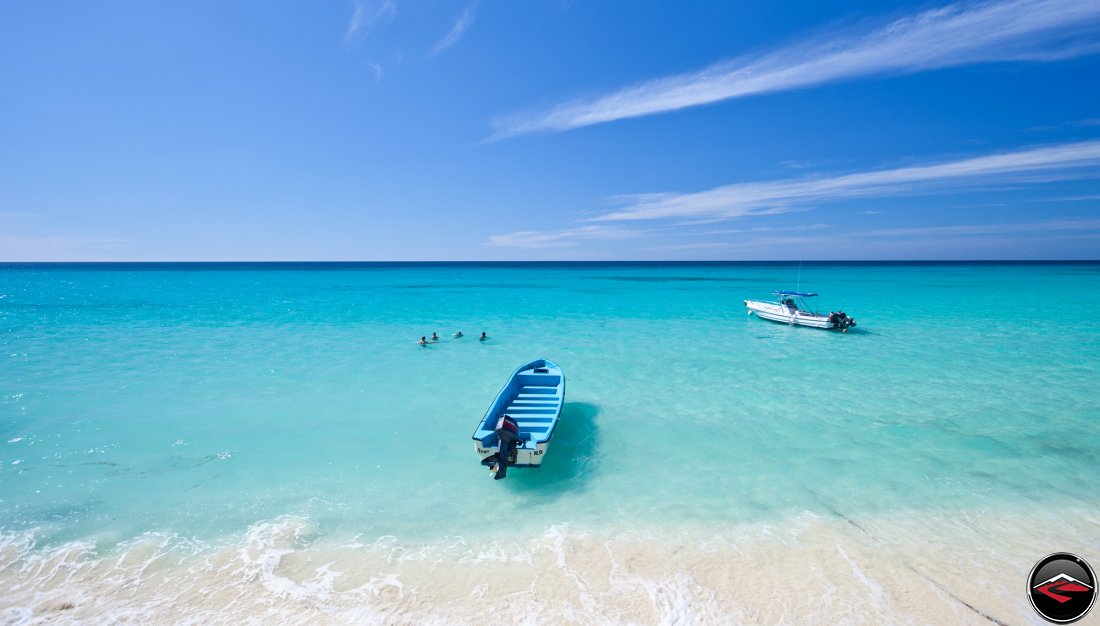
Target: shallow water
<point>230,429</point>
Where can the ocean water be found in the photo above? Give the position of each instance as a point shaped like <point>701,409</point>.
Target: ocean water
<point>267,443</point>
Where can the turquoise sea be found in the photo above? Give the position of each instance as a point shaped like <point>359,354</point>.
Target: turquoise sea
<point>266,443</point>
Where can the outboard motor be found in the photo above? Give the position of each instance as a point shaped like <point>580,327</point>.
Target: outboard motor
<point>841,321</point>
<point>507,432</point>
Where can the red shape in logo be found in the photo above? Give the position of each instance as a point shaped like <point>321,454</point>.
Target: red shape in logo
<point>1061,584</point>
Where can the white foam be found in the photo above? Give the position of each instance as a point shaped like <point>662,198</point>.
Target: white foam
<point>811,569</point>
<point>878,596</point>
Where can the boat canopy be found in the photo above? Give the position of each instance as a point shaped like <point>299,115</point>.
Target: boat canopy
<point>794,293</point>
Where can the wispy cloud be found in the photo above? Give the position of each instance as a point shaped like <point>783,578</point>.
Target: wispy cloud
<point>457,31</point>
<point>959,34</point>
<point>986,229</point>
<point>1042,164</point>
<point>761,229</point>
<point>978,241</point>
<point>797,164</point>
<point>1075,199</point>
<point>377,69</point>
<point>689,247</point>
<point>366,15</point>
<point>39,248</point>
<point>530,239</point>
<point>1085,123</point>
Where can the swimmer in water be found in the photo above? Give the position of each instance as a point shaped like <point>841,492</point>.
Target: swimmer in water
<point>423,342</point>
<point>457,335</point>
<point>483,336</point>
<point>435,337</point>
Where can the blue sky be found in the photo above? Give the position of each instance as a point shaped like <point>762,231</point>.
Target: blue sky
<point>549,129</point>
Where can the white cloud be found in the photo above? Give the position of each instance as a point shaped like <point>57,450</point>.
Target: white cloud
<point>761,229</point>
<point>1076,199</point>
<point>457,31</point>
<point>39,248</point>
<point>959,34</point>
<point>1058,239</point>
<point>367,14</point>
<point>530,239</point>
<point>1034,165</point>
<point>987,229</point>
<point>689,247</point>
<point>377,69</point>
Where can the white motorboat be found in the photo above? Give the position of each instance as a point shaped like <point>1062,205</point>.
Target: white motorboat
<point>790,308</point>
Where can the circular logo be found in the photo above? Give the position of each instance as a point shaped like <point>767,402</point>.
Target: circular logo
<point>1061,588</point>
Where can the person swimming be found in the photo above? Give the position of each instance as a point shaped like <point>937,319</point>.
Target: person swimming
<point>423,342</point>
<point>435,337</point>
<point>483,336</point>
<point>457,335</point>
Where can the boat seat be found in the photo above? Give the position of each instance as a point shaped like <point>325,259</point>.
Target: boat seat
<point>535,398</point>
<point>548,380</point>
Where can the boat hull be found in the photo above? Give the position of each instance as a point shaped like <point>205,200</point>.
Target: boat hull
<point>779,313</point>
<point>525,456</point>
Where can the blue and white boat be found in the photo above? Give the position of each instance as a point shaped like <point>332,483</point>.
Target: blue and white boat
<point>518,426</point>
<point>791,308</point>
